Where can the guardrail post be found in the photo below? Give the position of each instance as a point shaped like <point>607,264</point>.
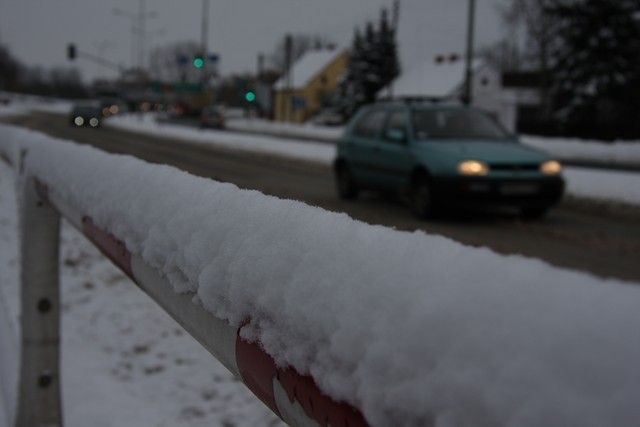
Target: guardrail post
<point>39,402</point>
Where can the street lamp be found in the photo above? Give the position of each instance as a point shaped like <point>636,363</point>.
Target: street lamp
<point>137,28</point>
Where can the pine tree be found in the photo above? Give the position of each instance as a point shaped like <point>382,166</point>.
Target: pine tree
<point>390,66</point>
<point>351,90</point>
<point>597,69</point>
<point>373,64</point>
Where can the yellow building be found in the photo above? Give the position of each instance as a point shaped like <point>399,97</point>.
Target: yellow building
<point>312,79</point>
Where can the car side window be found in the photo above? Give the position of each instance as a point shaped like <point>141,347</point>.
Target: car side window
<point>370,125</point>
<point>396,128</point>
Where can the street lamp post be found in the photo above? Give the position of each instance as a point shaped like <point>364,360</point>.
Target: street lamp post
<point>138,21</point>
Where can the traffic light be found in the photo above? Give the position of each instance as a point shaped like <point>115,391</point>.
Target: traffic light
<point>250,96</point>
<point>198,61</point>
<point>71,51</point>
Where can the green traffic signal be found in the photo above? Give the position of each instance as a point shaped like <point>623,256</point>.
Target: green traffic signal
<point>198,62</point>
<point>250,96</point>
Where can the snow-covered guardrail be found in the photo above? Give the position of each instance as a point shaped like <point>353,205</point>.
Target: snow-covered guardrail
<point>327,320</point>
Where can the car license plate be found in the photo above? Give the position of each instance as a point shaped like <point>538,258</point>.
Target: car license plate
<point>518,189</point>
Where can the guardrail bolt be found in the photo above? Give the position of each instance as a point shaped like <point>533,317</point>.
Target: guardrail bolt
<point>45,380</point>
<point>44,305</point>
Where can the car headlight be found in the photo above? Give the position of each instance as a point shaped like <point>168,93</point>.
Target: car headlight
<point>551,167</point>
<point>473,168</point>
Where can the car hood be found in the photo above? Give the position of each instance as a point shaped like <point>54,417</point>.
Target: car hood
<point>490,151</point>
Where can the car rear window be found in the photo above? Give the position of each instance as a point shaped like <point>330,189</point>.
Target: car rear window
<point>455,124</point>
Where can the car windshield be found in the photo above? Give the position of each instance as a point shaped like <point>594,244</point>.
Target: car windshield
<point>455,124</point>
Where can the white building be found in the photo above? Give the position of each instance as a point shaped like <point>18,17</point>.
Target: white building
<point>443,78</point>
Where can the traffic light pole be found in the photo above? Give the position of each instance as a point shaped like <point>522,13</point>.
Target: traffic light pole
<point>73,53</point>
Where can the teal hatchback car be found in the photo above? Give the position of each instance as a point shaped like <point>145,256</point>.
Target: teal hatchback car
<point>443,156</point>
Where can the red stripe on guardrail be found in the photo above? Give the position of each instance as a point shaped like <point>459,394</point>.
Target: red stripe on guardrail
<point>258,370</point>
<point>317,405</point>
<point>111,247</point>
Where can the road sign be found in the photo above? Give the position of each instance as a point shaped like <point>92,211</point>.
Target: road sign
<point>298,102</point>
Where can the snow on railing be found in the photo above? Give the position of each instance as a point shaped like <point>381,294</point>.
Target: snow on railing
<point>327,320</point>
<point>295,398</point>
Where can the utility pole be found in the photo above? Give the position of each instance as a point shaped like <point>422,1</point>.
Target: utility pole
<point>288,51</point>
<point>468,84</point>
<point>203,41</point>
<point>395,19</point>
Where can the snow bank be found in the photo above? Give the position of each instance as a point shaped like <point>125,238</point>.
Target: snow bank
<point>626,153</point>
<point>412,328</point>
<point>607,185</point>
<point>299,149</point>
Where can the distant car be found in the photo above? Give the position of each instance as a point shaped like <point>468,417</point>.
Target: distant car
<point>443,156</point>
<point>112,106</point>
<point>212,117</point>
<point>86,115</point>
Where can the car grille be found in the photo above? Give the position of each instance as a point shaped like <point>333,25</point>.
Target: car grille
<point>515,167</point>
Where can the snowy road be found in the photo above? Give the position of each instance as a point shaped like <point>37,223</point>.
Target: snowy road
<point>577,235</point>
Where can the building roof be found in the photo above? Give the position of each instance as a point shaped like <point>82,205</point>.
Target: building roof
<point>307,67</point>
<point>431,79</point>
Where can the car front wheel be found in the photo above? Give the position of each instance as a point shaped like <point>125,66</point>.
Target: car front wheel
<point>534,213</point>
<point>347,188</point>
<point>422,202</point>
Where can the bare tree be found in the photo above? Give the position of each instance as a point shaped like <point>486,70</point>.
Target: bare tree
<point>529,20</point>
<point>174,62</point>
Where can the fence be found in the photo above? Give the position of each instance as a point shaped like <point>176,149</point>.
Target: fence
<point>295,398</point>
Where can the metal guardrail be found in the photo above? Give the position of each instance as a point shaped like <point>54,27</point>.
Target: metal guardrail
<point>295,398</point>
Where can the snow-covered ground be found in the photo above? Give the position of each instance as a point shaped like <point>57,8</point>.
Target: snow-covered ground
<point>401,324</point>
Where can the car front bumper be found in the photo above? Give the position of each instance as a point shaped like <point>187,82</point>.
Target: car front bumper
<point>523,193</point>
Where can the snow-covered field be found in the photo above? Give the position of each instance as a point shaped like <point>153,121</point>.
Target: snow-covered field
<point>472,336</point>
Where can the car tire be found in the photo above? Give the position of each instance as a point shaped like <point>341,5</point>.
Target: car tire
<point>422,201</point>
<point>346,185</point>
<point>534,213</point>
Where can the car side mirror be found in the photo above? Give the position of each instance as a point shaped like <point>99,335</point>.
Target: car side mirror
<point>396,135</point>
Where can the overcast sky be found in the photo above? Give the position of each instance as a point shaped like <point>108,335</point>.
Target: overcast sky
<point>37,31</point>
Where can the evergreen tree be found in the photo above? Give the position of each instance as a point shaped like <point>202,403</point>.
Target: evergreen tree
<point>373,64</point>
<point>597,69</point>
<point>351,86</point>
<point>389,66</point>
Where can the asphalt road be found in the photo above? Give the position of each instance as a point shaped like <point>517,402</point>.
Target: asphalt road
<point>602,239</point>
